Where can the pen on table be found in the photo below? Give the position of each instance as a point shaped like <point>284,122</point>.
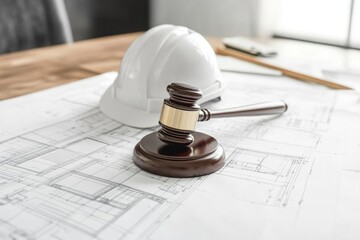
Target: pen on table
<point>290,73</point>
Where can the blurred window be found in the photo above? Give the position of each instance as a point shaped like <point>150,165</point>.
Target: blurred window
<point>355,26</point>
<point>334,22</point>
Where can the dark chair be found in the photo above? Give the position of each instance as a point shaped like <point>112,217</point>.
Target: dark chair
<point>26,24</point>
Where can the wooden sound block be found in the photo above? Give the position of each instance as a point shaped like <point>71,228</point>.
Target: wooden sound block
<point>204,156</point>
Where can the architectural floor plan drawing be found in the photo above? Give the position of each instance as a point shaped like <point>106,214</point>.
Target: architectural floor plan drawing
<point>267,173</point>
<point>67,171</point>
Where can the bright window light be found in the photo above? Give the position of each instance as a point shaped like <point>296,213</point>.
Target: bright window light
<point>315,20</point>
<point>355,27</point>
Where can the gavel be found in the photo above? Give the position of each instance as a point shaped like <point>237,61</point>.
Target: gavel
<point>177,150</point>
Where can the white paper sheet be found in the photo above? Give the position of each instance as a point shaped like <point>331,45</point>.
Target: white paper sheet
<point>230,64</point>
<point>66,170</point>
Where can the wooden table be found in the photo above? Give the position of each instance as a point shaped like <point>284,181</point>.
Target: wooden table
<point>32,70</point>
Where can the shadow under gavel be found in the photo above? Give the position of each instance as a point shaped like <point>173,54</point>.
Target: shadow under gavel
<point>177,150</point>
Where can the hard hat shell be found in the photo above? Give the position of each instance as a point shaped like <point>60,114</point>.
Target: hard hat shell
<point>163,55</point>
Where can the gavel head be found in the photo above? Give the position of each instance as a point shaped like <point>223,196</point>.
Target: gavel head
<point>179,114</point>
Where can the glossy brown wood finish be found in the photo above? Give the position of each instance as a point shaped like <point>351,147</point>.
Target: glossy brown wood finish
<point>184,97</point>
<point>203,156</point>
<point>177,152</point>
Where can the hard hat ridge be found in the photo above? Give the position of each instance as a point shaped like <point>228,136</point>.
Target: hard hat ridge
<point>164,54</point>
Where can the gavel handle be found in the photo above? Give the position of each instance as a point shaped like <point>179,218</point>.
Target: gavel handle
<point>275,107</point>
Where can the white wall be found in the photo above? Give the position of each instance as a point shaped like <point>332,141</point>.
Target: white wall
<point>209,17</point>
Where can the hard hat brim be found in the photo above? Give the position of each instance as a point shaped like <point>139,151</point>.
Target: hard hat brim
<point>125,114</point>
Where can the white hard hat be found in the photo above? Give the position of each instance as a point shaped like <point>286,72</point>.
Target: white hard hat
<point>163,55</point>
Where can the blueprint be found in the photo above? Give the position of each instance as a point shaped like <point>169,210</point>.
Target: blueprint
<point>66,170</point>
